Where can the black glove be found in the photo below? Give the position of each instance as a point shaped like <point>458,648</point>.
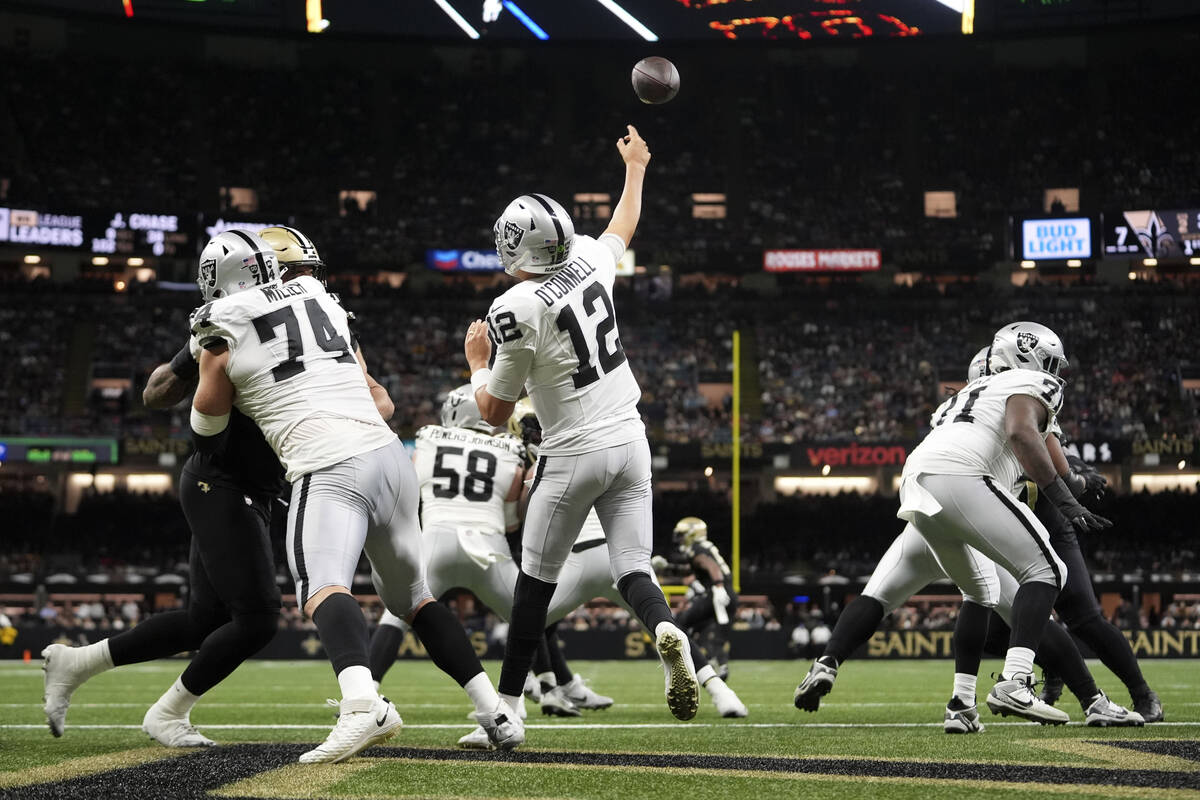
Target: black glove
<point>1093,482</point>
<point>1080,518</point>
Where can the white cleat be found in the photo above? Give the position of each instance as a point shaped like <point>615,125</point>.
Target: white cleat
<point>728,704</point>
<point>582,695</point>
<point>65,670</point>
<point>362,722</point>
<point>682,689</point>
<point>1014,696</point>
<point>173,731</point>
<point>533,688</point>
<point>504,729</point>
<point>1104,713</point>
<point>816,684</point>
<point>476,740</point>
<point>556,704</point>
<point>961,718</point>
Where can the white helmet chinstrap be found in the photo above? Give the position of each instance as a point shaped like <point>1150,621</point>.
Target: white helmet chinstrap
<point>1027,345</point>
<point>234,261</point>
<point>534,234</point>
<point>979,364</point>
<point>459,410</point>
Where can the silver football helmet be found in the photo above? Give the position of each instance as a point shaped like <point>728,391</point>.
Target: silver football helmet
<point>979,365</point>
<point>234,261</point>
<point>534,234</point>
<point>1027,345</point>
<point>459,410</point>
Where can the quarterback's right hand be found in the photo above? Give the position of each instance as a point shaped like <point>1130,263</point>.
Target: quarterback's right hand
<point>633,148</point>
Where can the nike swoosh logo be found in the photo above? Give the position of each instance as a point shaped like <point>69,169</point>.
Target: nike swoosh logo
<point>379,722</point>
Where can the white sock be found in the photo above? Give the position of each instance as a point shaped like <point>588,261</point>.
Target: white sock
<point>706,674</point>
<point>512,701</point>
<point>1018,659</point>
<point>482,693</point>
<point>96,657</point>
<point>356,682</point>
<point>376,685</point>
<point>547,679</point>
<point>964,687</point>
<point>715,686</point>
<point>177,701</point>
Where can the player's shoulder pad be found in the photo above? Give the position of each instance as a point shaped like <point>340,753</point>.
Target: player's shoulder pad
<point>1038,385</point>
<point>427,431</point>
<point>511,444</point>
<point>514,318</point>
<point>216,322</point>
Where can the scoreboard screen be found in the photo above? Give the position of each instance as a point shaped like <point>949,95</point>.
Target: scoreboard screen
<point>127,233</point>
<point>57,450</point>
<point>1172,233</point>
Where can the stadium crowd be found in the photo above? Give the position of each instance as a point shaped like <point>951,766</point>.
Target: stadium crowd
<point>838,364</point>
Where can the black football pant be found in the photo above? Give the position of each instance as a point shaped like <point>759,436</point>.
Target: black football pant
<point>233,607</point>
<point>699,621</point>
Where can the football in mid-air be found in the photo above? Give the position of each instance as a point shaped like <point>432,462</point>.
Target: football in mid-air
<point>655,80</point>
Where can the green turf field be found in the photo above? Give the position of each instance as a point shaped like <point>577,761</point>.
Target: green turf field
<point>878,735</point>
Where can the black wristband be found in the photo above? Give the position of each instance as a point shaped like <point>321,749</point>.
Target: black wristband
<point>184,366</point>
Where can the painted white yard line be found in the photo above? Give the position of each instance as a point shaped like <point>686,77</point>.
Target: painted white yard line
<point>569,726</point>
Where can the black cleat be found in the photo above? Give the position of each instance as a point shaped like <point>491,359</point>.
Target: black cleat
<point>1149,706</point>
<point>1052,688</point>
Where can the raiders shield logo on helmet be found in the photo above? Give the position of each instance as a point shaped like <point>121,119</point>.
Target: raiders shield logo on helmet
<point>1026,341</point>
<point>208,272</point>
<point>513,234</point>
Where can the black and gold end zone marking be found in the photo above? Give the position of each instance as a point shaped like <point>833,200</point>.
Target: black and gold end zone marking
<point>271,771</point>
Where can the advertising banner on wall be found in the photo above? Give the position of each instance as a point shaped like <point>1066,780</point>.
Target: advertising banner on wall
<point>822,260</point>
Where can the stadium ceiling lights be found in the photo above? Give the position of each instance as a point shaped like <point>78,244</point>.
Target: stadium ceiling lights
<point>457,18</point>
<point>630,20</point>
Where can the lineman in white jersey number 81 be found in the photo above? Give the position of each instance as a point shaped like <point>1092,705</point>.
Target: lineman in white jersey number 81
<point>956,491</point>
<point>908,566</point>
<point>555,335</point>
<point>284,354</point>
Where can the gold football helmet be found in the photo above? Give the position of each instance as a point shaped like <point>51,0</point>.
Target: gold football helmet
<point>295,251</point>
<point>689,530</point>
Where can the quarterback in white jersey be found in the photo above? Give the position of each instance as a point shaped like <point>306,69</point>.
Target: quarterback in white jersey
<point>283,353</point>
<point>555,335</point>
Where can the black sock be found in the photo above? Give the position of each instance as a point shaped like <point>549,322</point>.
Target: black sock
<point>1057,652</point>
<point>699,660</point>
<point>343,631</point>
<point>998,633</point>
<point>541,657</point>
<point>160,636</point>
<point>970,636</point>
<point>227,647</point>
<point>1031,609</point>
<point>528,625</point>
<point>1113,650</point>
<point>446,642</point>
<point>558,662</point>
<point>385,644</point>
<point>854,627</point>
<point>646,599</point>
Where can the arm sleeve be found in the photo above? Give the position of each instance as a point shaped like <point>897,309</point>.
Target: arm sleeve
<point>613,244</point>
<point>513,330</point>
<point>183,365</point>
<point>509,371</point>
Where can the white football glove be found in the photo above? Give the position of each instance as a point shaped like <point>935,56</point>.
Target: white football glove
<point>720,604</point>
<point>658,563</point>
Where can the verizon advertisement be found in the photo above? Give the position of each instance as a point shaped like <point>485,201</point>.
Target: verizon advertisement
<point>822,260</point>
